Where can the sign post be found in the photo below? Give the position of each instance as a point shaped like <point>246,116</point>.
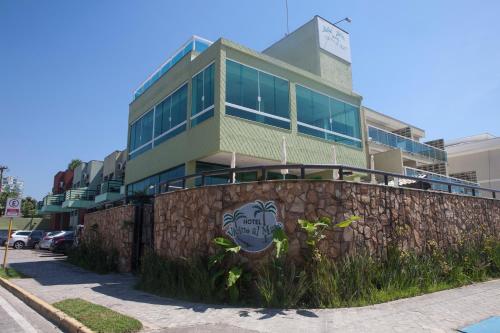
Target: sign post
<point>12,209</point>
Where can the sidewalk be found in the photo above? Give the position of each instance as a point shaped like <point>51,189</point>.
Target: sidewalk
<point>54,280</point>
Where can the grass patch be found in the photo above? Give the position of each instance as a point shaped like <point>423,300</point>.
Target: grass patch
<point>10,273</point>
<point>98,318</point>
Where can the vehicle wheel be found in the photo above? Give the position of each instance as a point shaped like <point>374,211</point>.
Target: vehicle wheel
<point>18,245</point>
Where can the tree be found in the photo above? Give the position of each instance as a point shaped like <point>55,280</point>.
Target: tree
<point>6,193</point>
<point>74,163</point>
<point>28,207</point>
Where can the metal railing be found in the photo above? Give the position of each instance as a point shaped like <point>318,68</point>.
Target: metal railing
<point>80,194</point>
<point>386,178</point>
<point>457,183</point>
<point>408,145</point>
<point>195,43</point>
<point>110,186</point>
<point>53,200</point>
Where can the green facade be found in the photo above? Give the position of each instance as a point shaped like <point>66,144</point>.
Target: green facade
<point>225,133</point>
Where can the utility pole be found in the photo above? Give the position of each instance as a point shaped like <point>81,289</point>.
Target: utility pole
<point>2,169</point>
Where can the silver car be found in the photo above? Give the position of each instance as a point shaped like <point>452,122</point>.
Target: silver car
<point>47,239</point>
<point>19,239</point>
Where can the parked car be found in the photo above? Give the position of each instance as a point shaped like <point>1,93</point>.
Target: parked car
<point>35,237</point>
<point>3,236</point>
<point>47,239</point>
<point>61,244</point>
<point>19,239</point>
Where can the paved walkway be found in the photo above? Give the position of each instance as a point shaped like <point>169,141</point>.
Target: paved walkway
<point>53,280</point>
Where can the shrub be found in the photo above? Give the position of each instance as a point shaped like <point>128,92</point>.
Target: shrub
<point>319,281</point>
<point>91,255</point>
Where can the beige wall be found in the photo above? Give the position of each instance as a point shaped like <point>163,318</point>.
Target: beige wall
<point>485,163</point>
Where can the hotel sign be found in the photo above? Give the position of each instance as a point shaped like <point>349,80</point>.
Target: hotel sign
<point>252,225</point>
<point>334,40</point>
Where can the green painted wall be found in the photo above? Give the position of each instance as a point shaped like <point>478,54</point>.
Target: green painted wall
<point>202,140</point>
<point>225,133</point>
<point>25,223</point>
<point>260,140</point>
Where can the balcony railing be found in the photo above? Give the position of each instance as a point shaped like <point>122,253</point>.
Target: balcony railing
<point>387,178</point>
<point>406,144</point>
<point>79,194</point>
<point>455,182</point>
<point>110,186</point>
<point>193,44</point>
<point>53,200</point>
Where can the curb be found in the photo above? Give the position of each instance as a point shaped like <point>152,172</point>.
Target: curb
<point>56,316</point>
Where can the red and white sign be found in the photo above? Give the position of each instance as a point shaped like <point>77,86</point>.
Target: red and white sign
<point>13,208</point>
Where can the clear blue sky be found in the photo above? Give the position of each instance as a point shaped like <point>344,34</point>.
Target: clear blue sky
<point>69,68</point>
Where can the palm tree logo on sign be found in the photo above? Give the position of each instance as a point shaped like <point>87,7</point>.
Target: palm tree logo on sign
<point>252,225</point>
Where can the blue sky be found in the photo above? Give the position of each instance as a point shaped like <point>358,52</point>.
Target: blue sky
<point>69,68</point>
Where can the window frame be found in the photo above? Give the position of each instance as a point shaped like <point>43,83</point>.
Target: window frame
<point>164,99</point>
<point>152,136</point>
<point>299,123</point>
<point>153,109</point>
<point>258,112</point>
<point>207,109</point>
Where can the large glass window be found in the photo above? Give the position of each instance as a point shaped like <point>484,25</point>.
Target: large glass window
<point>151,184</point>
<point>328,118</point>
<point>169,119</point>
<point>256,96</point>
<point>141,135</point>
<point>202,96</point>
<point>170,115</point>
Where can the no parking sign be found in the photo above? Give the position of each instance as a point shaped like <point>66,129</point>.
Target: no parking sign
<point>13,208</point>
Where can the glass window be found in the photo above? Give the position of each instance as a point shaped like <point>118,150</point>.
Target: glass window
<point>141,134</point>
<point>256,96</point>
<point>211,180</point>
<point>202,96</point>
<point>169,120</point>
<point>327,118</point>
<point>171,115</point>
<point>150,185</point>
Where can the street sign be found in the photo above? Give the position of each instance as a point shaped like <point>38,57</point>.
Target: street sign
<point>13,207</point>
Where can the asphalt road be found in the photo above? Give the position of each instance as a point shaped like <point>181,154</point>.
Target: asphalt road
<point>17,317</point>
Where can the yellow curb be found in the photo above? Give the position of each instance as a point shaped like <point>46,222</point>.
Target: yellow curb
<point>58,317</point>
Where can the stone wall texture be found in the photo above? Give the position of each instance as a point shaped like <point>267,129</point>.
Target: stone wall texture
<point>114,227</point>
<point>186,221</point>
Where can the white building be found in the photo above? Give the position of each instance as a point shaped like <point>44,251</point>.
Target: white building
<point>12,183</point>
<point>476,158</point>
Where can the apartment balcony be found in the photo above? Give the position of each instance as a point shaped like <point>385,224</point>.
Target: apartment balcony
<point>80,198</point>
<point>109,191</point>
<point>407,145</point>
<point>52,203</point>
<point>454,182</point>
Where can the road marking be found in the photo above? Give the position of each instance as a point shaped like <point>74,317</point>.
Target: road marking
<point>20,320</point>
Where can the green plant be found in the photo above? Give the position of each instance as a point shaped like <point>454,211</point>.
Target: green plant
<point>224,268</point>
<point>315,231</point>
<point>92,255</point>
<point>280,241</point>
<point>281,284</point>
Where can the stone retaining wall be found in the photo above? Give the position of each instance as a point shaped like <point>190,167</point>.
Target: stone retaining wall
<point>114,227</point>
<point>187,221</point>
